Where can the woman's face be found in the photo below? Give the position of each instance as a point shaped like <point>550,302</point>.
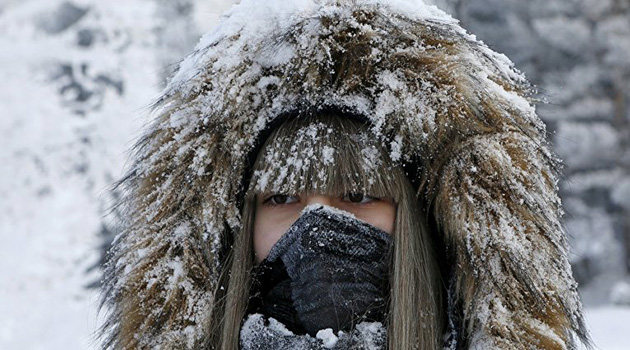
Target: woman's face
<point>275,213</point>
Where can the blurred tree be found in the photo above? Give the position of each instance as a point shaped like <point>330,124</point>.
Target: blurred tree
<point>176,33</point>
<point>577,53</point>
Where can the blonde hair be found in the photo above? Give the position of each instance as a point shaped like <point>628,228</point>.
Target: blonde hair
<point>333,155</point>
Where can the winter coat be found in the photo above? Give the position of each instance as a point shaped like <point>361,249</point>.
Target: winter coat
<point>437,97</point>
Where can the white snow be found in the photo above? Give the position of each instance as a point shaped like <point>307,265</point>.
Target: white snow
<point>56,165</point>
<point>276,326</point>
<point>328,209</point>
<point>610,327</point>
<point>328,337</point>
<point>258,18</point>
<point>328,154</point>
<point>50,214</point>
<point>620,293</point>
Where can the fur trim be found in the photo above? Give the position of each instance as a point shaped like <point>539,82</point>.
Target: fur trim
<point>432,92</point>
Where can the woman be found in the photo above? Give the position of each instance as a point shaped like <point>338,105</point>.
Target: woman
<point>476,252</point>
<point>324,206</point>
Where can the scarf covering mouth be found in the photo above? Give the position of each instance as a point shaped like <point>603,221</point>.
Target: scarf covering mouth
<point>329,270</point>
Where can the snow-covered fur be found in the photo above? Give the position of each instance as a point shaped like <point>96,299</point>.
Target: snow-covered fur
<point>437,97</point>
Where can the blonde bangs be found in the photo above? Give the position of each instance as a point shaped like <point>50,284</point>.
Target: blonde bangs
<point>325,154</point>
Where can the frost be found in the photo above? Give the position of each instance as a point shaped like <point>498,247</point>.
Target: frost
<point>372,334</point>
<point>49,198</point>
<point>328,209</point>
<point>328,155</point>
<point>181,232</point>
<point>255,334</point>
<point>305,161</point>
<point>177,273</point>
<point>258,19</point>
<point>371,159</point>
<point>328,337</point>
<point>141,253</point>
<point>396,148</point>
<point>278,327</point>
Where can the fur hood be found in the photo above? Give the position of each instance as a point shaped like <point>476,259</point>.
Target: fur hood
<point>434,94</point>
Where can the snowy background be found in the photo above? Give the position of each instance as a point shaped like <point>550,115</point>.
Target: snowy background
<point>77,79</point>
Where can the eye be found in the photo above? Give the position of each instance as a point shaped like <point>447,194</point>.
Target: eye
<point>279,199</point>
<point>357,197</point>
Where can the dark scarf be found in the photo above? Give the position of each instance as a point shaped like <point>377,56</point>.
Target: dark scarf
<point>328,271</point>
